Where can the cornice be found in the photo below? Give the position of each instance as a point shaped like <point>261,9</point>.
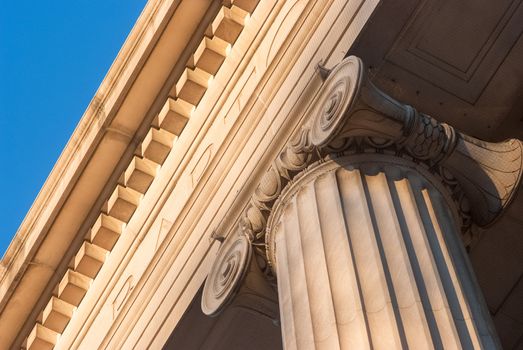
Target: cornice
<point>96,127</point>
<point>101,122</point>
<point>149,156</point>
<point>92,122</point>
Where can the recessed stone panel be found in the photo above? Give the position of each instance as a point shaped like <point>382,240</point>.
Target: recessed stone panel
<point>458,45</point>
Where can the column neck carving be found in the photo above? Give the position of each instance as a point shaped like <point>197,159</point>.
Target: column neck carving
<point>351,116</point>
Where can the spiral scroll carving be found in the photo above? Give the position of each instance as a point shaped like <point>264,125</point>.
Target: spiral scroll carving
<point>338,96</point>
<point>226,274</point>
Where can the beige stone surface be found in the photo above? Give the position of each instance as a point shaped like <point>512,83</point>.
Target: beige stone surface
<point>395,256</point>
<point>488,38</point>
<point>106,231</point>
<point>73,286</point>
<point>57,314</point>
<point>41,338</point>
<point>89,259</point>
<point>188,250</point>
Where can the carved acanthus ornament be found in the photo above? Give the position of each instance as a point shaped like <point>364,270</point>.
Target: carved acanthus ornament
<point>351,116</point>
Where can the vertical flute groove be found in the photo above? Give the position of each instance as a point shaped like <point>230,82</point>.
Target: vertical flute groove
<point>323,230</point>
<point>342,280</point>
<point>345,211</point>
<point>406,299</point>
<point>429,253</point>
<point>476,307</point>
<point>369,258</point>
<point>370,184</point>
<point>383,326</point>
<point>316,273</point>
<point>345,295</point>
<point>463,317</point>
<point>409,221</point>
<point>299,288</point>
<point>442,267</point>
<point>287,309</point>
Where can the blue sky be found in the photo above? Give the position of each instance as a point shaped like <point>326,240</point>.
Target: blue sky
<point>53,57</point>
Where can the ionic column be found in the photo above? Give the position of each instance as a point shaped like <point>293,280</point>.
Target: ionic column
<point>364,215</point>
<point>367,256</point>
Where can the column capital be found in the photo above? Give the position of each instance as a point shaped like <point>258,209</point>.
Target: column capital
<point>349,115</point>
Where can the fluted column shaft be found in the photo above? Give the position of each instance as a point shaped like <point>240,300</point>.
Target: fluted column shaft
<point>367,254</point>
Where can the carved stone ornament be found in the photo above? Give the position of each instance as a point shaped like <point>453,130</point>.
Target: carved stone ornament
<point>236,282</point>
<point>226,274</point>
<point>486,174</point>
<point>351,116</point>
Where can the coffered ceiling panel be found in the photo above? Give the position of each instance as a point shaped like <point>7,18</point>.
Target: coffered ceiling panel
<point>458,45</point>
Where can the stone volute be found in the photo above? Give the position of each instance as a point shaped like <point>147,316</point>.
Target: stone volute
<point>415,185</point>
